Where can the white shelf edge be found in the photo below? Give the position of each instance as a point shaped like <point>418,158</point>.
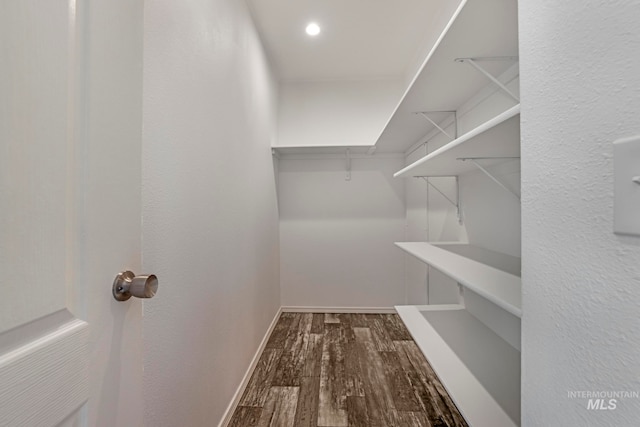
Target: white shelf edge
<point>322,149</point>
<point>507,77</point>
<point>302,151</point>
<point>439,307</point>
<point>474,402</point>
<point>328,146</point>
<point>497,120</point>
<point>423,65</point>
<point>499,287</point>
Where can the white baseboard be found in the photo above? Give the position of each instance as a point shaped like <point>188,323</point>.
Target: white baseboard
<point>247,376</point>
<point>338,309</point>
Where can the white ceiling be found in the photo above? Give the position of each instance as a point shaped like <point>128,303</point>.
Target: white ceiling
<point>360,39</point>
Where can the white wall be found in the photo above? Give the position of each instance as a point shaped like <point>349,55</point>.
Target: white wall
<point>210,220</point>
<point>491,216</point>
<point>580,85</point>
<point>336,236</point>
<point>335,112</point>
<point>430,218</point>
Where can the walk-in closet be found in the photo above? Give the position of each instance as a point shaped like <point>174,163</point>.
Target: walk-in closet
<point>319,213</point>
<point>425,218</point>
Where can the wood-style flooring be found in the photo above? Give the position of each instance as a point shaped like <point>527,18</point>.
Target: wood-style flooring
<point>339,370</point>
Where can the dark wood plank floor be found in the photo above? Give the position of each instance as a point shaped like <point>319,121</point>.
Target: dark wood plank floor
<point>340,370</point>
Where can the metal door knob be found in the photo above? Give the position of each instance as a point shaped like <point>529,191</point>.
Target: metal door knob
<point>127,285</point>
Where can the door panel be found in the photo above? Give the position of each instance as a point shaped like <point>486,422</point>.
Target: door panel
<point>70,131</point>
<point>43,348</point>
<point>45,380</point>
<point>33,164</point>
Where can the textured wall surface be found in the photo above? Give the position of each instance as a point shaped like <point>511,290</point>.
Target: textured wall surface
<point>210,220</point>
<point>337,236</point>
<point>580,87</point>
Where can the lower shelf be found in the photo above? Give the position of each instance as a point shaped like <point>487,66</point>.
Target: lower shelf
<point>475,268</point>
<point>479,369</point>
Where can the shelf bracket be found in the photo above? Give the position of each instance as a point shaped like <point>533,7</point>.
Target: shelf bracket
<point>455,121</point>
<point>474,161</point>
<point>348,165</point>
<point>474,63</point>
<point>455,203</point>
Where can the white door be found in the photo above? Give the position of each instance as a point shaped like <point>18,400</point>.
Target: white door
<point>70,132</point>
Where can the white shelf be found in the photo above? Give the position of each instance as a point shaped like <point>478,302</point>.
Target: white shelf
<point>500,287</point>
<point>480,28</point>
<point>322,149</point>
<point>480,371</point>
<point>498,137</point>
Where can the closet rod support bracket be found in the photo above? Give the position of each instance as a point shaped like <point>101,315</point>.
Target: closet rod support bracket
<point>457,203</point>
<point>474,161</point>
<point>455,121</point>
<point>474,63</point>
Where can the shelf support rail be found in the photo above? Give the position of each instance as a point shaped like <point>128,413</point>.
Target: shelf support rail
<point>474,63</point>
<point>348,165</point>
<point>457,203</point>
<point>474,161</point>
<point>455,121</point>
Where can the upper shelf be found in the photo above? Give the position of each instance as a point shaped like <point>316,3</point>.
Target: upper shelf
<point>493,140</point>
<point>502,288</point>
<point>323,149</point>
<point>479,28</point>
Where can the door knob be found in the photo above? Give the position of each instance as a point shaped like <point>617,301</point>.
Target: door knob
<point>127,285</point>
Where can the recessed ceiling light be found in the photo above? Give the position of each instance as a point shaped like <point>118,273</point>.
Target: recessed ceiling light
<point>313,29</point>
